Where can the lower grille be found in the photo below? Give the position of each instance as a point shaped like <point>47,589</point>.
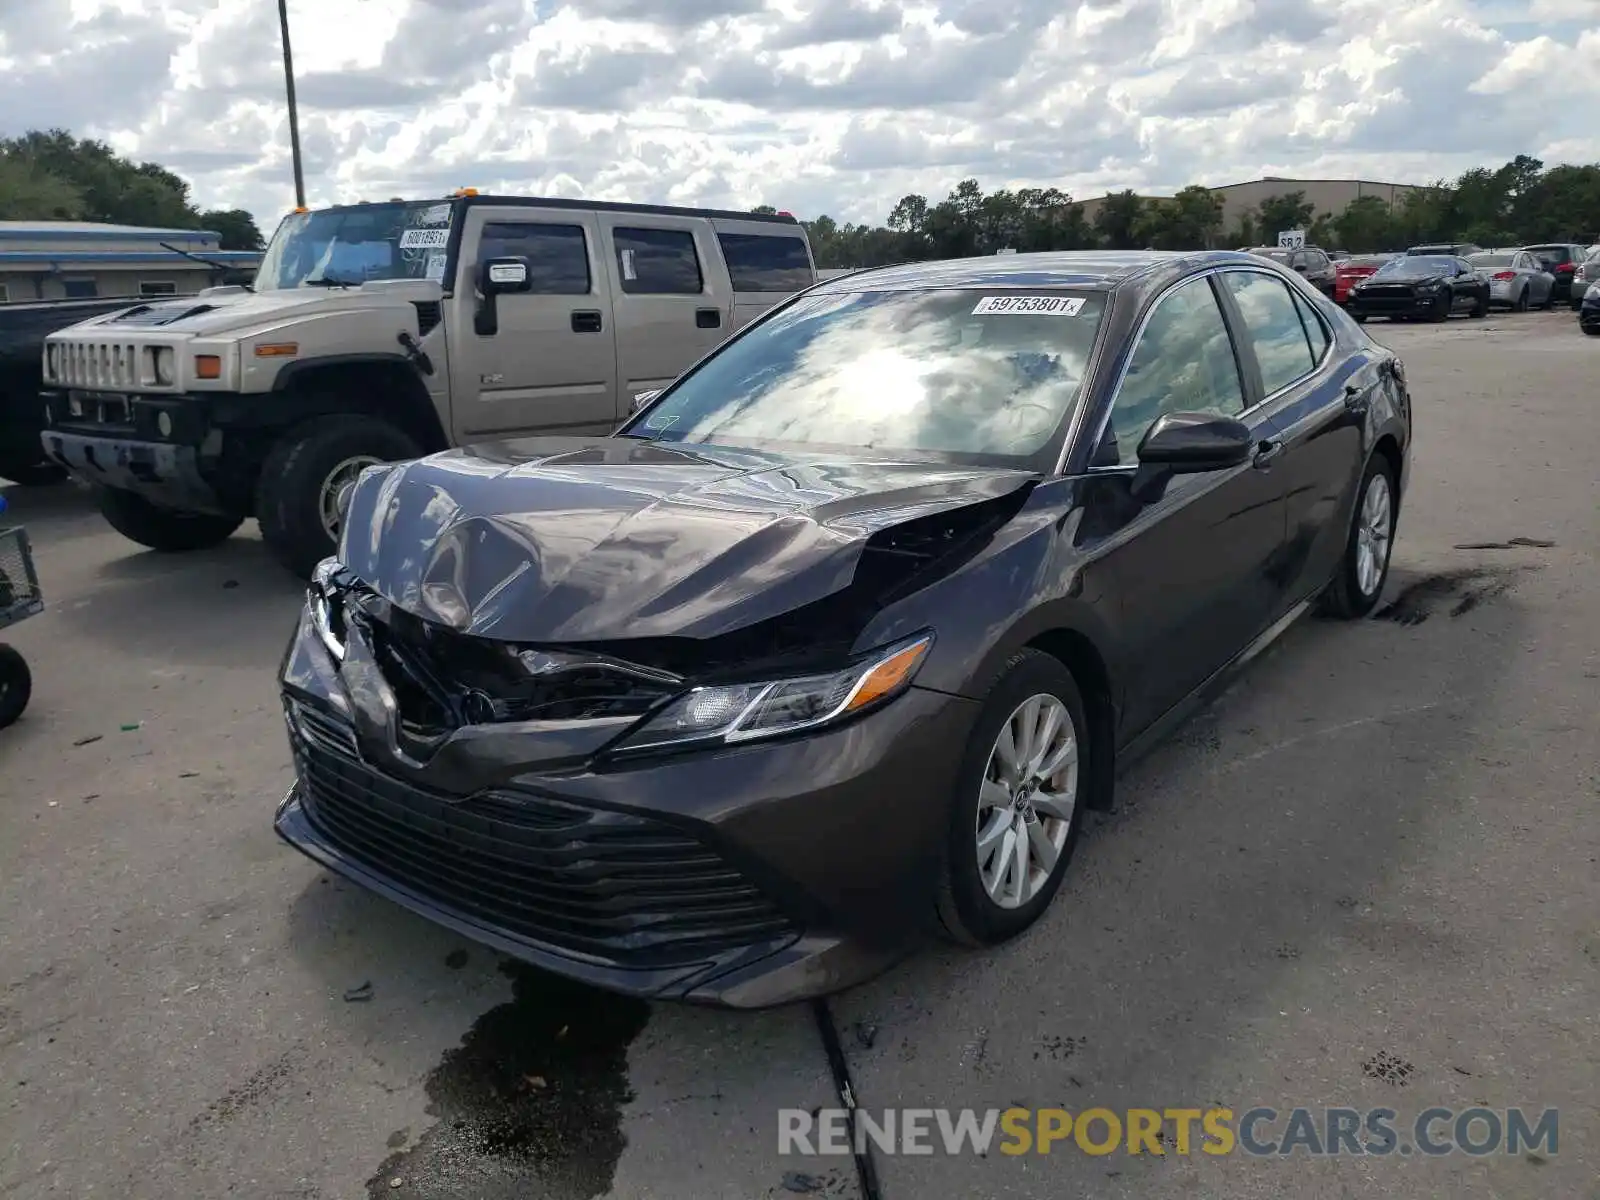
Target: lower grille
<point>611,886</point>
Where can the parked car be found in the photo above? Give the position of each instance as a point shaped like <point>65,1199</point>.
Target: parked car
<point>1585,274</point>
<point>1309,261</point>
<point>1517,280</point>
<point>840,635</point>
<point>378,332</point>
<point>1419,287</point>
<point>1589,310</point>
<point>1451,249</point>
<point>1561,259</point>
<point>1351,271</point>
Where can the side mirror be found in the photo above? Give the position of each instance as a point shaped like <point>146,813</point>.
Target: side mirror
<point>497,277</point>
<point>1188,443</point>
<point>640,399</point>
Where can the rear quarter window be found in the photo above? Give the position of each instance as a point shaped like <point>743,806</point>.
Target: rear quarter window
<point>759,262</point>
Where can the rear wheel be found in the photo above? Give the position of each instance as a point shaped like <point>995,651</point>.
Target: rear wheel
<point>1018,803</point>
<point>1364,568</point>
<point>169,530</point>
<point>306,477</point>
<point>16,685</point>
<point>1481,308</point>
<point>1441,308</point>
<point>1523,301</point>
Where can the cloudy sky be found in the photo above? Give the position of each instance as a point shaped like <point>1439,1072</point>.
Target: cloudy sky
<point>836,106</point>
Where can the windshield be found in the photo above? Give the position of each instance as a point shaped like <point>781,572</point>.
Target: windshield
<point>1415,266</point>
<point>1368,260</point>
<point>974,375</point>
<point>350,246</point>
<point>1490,260</point>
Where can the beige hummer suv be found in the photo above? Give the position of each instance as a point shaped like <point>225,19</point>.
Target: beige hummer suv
<point>383,331</point>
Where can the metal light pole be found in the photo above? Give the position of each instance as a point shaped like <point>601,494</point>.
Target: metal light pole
<point>294,114</point>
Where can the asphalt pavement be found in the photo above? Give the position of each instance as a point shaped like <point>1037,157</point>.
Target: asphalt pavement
<point>1366,877</point>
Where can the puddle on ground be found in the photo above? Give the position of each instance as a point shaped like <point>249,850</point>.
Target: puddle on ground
<point>529,1105</point>
<point>1455,593</point>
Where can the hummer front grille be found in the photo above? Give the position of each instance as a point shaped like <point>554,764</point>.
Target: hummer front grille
<point>101,365</point>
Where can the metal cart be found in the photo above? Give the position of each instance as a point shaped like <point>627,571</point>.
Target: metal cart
<point>19,599</point>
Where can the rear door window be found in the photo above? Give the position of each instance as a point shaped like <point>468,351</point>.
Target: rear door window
<point>1273,325</point>
<point>558,255</point>
<point>764,263</point>
<point>1316,332</point>
<point>658,262</point>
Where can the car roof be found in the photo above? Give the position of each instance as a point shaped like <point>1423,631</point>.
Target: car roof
<point>1100,270</point>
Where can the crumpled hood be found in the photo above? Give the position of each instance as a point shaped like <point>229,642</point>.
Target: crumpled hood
<point>592,539</point>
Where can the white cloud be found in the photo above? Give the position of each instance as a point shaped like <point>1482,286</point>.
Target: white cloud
<point>838,106</point>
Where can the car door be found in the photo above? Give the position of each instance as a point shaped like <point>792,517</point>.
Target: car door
<point>1315,414</point>
<point>672,301</point>
<point>548,361</point>
<point>1192,567</point>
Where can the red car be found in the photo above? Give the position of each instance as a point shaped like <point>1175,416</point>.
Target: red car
<point>1350,271</point>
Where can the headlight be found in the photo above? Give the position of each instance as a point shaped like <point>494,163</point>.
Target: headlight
<point>744,711</point>
<point>51,356</point>
<point>1431,286</point>
<point>166,363</point>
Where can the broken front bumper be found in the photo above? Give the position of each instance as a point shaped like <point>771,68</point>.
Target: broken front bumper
<point>745,876</point>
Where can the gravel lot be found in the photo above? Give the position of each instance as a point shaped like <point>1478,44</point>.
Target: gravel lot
<point>1367,876</point>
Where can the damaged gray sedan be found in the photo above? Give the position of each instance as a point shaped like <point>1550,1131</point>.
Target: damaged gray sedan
<point>834,642</point>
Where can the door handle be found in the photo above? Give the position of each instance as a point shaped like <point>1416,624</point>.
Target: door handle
<point>708,318</point>
<point>1267,451</point>
<point>587,320</point>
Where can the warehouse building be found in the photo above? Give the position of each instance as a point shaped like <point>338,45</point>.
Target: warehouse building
<point>82,260</point>
<point>1330,196</point>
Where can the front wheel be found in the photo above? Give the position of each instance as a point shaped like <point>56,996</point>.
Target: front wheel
<point>1481,308</point>
<point>1360,318</point>
<point>1018,804</point>
<point>1364,568</point>
<point>16,685</point>
<point>168,530</point>
<point>306,477</point>
<point>1441,308</point>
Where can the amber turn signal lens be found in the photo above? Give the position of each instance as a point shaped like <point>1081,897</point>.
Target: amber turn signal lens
<point>888,675</point>
<point>207,366</point>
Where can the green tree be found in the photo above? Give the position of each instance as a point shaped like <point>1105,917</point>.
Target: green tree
<point>113,188</point>
<point>909,214</point>
<point>1117,222</point>
<point>1278,214</point>
<point>1364,226</point>
<point>29,193</point>
<point>236,227</point>
<point>765,210</point>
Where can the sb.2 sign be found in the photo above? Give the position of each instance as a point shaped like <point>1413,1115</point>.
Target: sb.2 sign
<point>1291,239</point>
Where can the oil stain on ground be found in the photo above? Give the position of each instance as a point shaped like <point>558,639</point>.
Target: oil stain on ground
<point>529,1105</point>
<point>1456,592</point>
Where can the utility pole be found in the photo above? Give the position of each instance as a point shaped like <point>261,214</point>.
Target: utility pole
<point>294,114</point>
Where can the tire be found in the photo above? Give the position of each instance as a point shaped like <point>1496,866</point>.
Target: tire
<point>1524,301</point>
<point>16,685</point>
<point>168,530</point>
<point>1360,318</point>
<point>967,912</point>
<point>1441,311</point>
<point>1346,598</point>
<point>41,474</point>
<point>1481,308</point>
<point>303,470</point>
<point>1591,330</point>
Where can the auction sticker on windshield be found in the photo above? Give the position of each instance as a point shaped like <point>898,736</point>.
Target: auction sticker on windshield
<point>1029,306</point>
<point>424,239</point>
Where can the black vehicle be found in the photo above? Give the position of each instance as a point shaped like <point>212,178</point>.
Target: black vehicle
<point>840,634</point>
<point>1310,261</point>
<point>24,325</point>
<point>1448,249</point>
<point>1562,259</point>
<point>1423,288</point>
<point>1589,314</point>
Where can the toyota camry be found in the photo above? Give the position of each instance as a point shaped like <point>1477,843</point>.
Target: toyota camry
<point>835,640</point>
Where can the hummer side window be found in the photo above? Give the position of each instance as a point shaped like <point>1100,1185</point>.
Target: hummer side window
<point>658,262</point>
<point>558,255</point>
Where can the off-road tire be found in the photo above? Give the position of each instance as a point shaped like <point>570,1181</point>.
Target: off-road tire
<point>168,530</point>
<point>288,494</point>
<point>966,914</point>
<point>16,685</point>
<point>1343,598</point>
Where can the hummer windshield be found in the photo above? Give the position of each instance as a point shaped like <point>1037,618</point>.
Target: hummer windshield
<point>348,246</point>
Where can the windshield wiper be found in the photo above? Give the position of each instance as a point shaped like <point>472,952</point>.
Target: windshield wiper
<point>330,281</point>
<point>210,262</point>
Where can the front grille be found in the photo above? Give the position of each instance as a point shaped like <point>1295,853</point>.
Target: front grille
<point>616,887</point>
<point>1387,291</point>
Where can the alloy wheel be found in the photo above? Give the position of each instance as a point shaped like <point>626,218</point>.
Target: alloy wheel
<point>1374,533</point>
<point>330,503</point>
<point>1026,800</point>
